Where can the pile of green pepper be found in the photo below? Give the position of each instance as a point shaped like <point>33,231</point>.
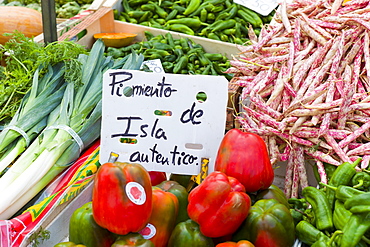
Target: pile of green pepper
<point>221,20</point>
<point>339,212</point>
<point>178,56</point>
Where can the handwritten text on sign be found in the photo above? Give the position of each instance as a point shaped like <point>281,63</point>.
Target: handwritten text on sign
<point>165,122</point>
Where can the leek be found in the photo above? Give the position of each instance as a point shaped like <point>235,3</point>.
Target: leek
<point>43,97</point>
<point>55,149</point>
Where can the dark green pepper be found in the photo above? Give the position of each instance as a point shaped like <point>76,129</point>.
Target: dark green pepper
<point>320,207</point>
<point>308,233</point>
<point>355,229</point>
<point>187,233</point>
<point>137,14</point>
<point>168,67</point>
<point>160,11</point>
<point>84,230</point>
<point>269,223</point>
<point>149,52</point>
<point>203,15</point>
<point>182,28</point>
<point>162,46</point>
<point>344,192</point>
<point>114,52</point>
<point>358,203</point>
<point>297,215</point>
<point>188,21</point>
<point>341,176</point>
<point>273,192</point>
<point>192,6</point>
<point>148,7</point>
<point>322,241</point>
<point>134,3</point>
<point>181,64</point>
<point>250,16</point>
<point>172,15</point>
<point>340,215</point>
<point>361,180</point>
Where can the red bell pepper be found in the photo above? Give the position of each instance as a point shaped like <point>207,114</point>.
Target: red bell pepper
<point>241,243</point>
<point>157,177</point>
<point>122,197</point>
<point>163,218</point>
<point>245,157</point>
<point>219,205</point>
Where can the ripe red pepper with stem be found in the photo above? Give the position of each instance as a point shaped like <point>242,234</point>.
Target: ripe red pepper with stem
<point>244,156</point>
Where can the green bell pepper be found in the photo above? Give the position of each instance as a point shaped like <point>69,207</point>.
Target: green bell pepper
<point>84,230</point>
<point>187,233</point>
<point>273,192</point>
<point>69,244</point>
<point>182,195</point>
<point>269,223</point>
<point>132,239</point>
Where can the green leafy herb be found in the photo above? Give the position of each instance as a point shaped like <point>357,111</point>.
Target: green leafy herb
<point>38,237</point>
<point>22,57</point>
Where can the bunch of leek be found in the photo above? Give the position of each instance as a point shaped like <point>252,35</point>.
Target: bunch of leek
<point>71,126</point>
<point>42,98</point>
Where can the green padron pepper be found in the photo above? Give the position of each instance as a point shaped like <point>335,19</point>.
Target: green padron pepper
<point>84,230</point>
<point>269,223</point>
<point>187,233</point>
<point>132,239</point>
<point>355,229</point>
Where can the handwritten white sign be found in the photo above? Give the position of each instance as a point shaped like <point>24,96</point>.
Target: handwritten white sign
<point>263,7</point>
<point>165,122</point>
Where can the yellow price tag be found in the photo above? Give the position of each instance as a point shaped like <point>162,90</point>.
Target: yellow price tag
<point>203,171</point>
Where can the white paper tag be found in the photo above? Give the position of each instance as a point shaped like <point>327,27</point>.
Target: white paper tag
<point>159,121</point>
<point>136,193</point>
<point>263,7</point>
<point>154,65</point>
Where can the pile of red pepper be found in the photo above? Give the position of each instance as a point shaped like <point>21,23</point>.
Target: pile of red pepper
<point>236,205</point>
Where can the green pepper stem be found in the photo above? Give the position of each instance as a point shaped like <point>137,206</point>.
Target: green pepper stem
<point>333,236</point>
<point>365,239</point>
<point>354,164</point>
<point>328,186</point>
<point>360,183</point>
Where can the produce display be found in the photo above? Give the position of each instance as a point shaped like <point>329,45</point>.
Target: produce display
<point>178,56</point>
<point>305,84</point>
<point>303,72</point>
<point>64,9</point>
<point>218,200</point>
<point>214,19</point>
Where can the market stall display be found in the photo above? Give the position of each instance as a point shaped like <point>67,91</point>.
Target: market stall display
<point>305,86</point>
<point>216,19</point>
<point>302,73</point>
